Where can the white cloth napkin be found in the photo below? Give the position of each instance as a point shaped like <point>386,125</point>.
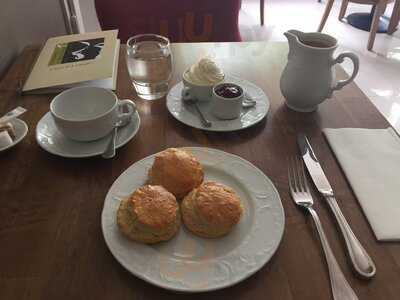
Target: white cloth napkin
<point>370,159</point>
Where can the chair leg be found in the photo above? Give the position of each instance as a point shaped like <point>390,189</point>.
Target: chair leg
<point>262,12</point>
<point>395,18</point>
<point>379,10</point>
<point>343,9</point>
<point>328,8</point>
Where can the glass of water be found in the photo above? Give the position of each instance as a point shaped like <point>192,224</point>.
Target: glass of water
<point>149,61</point>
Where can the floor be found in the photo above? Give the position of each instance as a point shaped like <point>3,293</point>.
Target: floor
<point>379,75</point>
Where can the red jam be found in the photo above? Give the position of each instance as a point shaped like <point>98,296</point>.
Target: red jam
<point>228,90</point>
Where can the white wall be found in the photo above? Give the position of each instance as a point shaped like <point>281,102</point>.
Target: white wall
<point>24,22</point>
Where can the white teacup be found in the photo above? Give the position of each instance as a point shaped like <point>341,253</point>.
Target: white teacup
<point>89,113</point>
<point>202,93</point>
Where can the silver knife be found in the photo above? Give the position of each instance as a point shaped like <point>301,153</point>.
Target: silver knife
<point>360,259</point>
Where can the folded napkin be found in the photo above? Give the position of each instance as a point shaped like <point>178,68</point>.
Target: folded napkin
<point>370,159</point>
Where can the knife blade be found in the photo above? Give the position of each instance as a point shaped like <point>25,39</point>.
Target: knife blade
<point>313,166</point>
<point>360,259</point>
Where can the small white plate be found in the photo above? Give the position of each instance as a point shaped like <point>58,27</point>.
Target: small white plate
<point>53,141</point>
<point>21,129</point>
<point>249,117</point>
<point>188,263</point>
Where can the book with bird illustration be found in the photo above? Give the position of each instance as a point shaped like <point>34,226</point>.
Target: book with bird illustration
<point>89,59</point>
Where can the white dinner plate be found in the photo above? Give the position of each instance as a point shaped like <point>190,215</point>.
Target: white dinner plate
<point>53,141</point>
<point>187,113</point>
<point>188,263</point>
<point>20,129</point>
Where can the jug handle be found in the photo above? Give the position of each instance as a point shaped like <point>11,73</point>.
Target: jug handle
<point>356,64</point>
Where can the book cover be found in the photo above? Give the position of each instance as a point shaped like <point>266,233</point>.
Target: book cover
<point>70,59</point>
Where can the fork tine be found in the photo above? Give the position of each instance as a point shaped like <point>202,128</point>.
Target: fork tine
<point>294,174</point>
<point>290,176</point>
<point>303,177</point>
<point>299,174</point>
<point>298,182</point>
<point>301,181</point>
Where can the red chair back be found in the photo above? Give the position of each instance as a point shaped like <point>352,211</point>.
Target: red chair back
<point>179,20</point>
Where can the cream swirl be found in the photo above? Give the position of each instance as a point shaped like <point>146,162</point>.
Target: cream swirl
<point>204,72</point>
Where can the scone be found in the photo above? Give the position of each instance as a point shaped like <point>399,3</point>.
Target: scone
<point>211,210</point>
<point>150,215</point>
<point>177,170</point>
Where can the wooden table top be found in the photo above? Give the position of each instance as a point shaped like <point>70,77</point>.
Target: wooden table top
<point>51,244</point>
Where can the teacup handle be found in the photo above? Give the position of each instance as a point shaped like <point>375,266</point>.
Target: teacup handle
<point>186,93</point>
<point>356,64</point>
<point>130,105</point>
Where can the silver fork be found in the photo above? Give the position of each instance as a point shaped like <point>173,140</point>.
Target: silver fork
<point>301,195</point>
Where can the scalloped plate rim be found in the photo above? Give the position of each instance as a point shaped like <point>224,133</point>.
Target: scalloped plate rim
<point>213,129</point>
<point>217,287</point>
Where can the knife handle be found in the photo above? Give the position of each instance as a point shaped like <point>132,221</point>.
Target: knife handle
<point>362,262</point>
<point>341,289</point>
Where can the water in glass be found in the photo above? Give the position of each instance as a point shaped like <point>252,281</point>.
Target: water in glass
<point>149,63</point>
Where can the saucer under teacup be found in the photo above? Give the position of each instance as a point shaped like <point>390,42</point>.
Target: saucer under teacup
<point>52,140</point>
<point>248,116</point>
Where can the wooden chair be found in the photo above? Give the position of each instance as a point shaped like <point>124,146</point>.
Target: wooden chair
<point>395,18</point>
<point>380,6</point>
<point>262,12</point>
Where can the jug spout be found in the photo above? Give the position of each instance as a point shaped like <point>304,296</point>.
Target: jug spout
<point>293,37</point>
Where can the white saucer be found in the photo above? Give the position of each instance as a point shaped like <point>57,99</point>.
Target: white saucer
<point>53,141</point>
<point>21,129</point>
<point>249,117</point>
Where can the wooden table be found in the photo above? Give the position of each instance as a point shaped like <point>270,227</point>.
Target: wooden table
<point>51,244</point>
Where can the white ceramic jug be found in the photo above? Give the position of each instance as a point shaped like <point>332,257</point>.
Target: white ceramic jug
<point>309,76</point>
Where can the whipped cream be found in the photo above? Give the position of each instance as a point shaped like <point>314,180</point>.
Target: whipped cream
<point>204,72</point>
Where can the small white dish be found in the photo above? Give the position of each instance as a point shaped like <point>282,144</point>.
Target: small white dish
<point>52,140</point>
<point>21,129</point>
<point>227,108</point>
<point>188,263</point>
<point>202,93</point>
<point>248,117</point>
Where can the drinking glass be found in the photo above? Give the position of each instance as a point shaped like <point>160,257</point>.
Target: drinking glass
<point>149,61</point>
